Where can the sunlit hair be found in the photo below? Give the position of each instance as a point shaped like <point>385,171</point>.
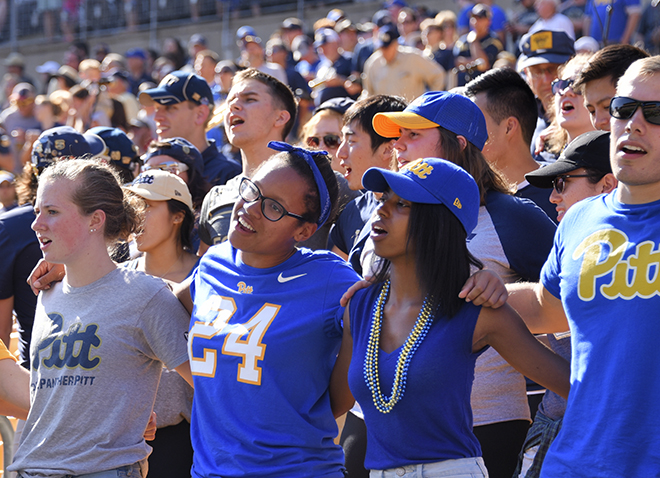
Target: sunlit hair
<point>437,240</point>
<point>282,96</point>
<point>97,187</point>
<point>611,62</point>
<point>645,68</point>
<point>363,111</point>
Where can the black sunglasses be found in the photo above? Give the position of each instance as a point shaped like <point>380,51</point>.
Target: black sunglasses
<point>330,140</point>
<point>624,108</point>
<point>559,183</point>
<point>270,208</point>
<point>560,86</point>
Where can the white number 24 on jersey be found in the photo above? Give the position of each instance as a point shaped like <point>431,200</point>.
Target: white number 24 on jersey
<point>250,348</point>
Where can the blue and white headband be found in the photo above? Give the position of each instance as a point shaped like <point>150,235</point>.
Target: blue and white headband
<point>308,156</point>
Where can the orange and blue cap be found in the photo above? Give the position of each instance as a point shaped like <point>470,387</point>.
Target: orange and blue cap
<point>453,112</point>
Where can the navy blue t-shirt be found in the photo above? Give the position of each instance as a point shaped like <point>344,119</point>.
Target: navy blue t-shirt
<point>20,253</point>
<point>217,168</point>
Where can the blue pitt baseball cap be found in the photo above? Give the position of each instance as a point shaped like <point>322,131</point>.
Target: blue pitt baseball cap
<point>436,108</point>
<point>431,181</point>
<point>118,147</point>
<point>63,142</point>
<point>178,149</point>
<point>177,87</point>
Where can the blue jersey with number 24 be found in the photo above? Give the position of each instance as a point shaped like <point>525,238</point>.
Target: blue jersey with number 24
<point>262,344</point>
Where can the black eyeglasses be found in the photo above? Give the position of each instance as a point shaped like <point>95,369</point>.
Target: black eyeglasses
<point>330,140</point>
<point>559,183</point>
<point>624,108</point>
<point>271,209</point>
<point>560,86</point>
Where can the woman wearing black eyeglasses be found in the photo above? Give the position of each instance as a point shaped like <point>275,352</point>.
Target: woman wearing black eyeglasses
<point>264,333</point>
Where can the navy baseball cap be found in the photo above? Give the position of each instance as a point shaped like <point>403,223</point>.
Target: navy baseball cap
<point>179,149</point>
<point>436,108</point>
<point>431,181</point>
<point>338,104</point>
<point>63,142</point>
<point>589,150</point>
<point>118,148</point>
<point>545,46</point>
<point>177,87</point>
<point>387,35</point>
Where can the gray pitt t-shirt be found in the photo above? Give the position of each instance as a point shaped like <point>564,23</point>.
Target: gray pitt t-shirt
<point>97,353</point>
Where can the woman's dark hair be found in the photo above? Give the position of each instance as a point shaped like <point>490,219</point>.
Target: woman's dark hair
<point>118,119</point>
<point>312,197</point>
<point>442,259</point>
<point>473,161</point>
<point>594,175</point>
<point>185,232</point>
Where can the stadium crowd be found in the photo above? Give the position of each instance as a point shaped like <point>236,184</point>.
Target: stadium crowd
<point>363,224</point>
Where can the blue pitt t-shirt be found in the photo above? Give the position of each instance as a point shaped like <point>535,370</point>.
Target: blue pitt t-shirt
<point>605,267</point>
<point>262,345</point>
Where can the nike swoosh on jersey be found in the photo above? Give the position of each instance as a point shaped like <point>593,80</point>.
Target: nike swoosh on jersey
<point>281,279</point>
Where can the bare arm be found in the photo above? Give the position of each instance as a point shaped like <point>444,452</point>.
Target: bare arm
<point>6,318</point>
<point>186,374</point>
<point>340,253</point>
<point>341,398</point>
<point>504,330</point>
<point>631,26</point>
<point>43,274</point>
<point>485,288</point>
<point>7,162</point>
<point>542,312</point>
<point>182,292</point>
<point>203,247</point>
<point>14,389</point>
<point>477,52</point>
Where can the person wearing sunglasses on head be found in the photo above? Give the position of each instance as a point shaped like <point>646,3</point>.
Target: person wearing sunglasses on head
<point>583,170</point>
<point>323,130</point>
<point>570,118</point>
<point>600,281</point>
<point>178,156</point>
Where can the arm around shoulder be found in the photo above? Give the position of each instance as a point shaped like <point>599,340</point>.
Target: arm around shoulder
<point>341,398</point>
<point>542,312</point>
<point>503,330</point>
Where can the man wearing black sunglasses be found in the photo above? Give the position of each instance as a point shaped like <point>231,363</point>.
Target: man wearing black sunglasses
<point>602,280</point>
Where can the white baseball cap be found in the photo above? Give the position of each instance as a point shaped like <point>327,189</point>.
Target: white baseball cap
<point>158,185</point>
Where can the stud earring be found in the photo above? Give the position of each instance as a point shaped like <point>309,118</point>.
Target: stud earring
<point>92,230</point>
